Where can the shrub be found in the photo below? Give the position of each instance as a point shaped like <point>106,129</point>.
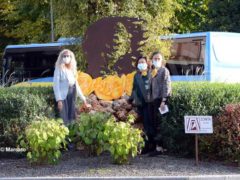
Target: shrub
<point>18,107</point>
<point>199,98</point>
<point>34,84</point>
<point>189,98</point>
<point>43,140</point>
<point>89,130</point>
<point>124,141</point>
<point>101,132</point>
<point>224,143</point>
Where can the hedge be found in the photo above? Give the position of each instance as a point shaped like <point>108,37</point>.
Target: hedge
<point>22,104</point>
<point>18,106</point>
<point>199,98</point>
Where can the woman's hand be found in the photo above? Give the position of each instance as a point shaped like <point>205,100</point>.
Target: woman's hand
<point>162,106</point>
<point>87,105</point>
<point>60,105</point>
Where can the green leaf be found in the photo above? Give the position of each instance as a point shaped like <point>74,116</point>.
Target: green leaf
<point>44,136</point>
<point>22,143</point>
<point>29,155</point>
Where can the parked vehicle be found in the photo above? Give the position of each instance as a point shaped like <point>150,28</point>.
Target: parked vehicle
<point>31,61</point>
<point>206,56</point>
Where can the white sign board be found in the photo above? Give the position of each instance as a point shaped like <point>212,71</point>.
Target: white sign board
<point>198,124</point>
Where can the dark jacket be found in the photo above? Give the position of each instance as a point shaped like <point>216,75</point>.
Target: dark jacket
<point>141,95</point>
<point>161,84</point>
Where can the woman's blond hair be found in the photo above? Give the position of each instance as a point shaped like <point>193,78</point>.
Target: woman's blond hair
<point>73,63</point>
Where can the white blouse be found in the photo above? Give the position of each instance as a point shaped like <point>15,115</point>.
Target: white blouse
<point>62,79</point>
<point>70,76</point>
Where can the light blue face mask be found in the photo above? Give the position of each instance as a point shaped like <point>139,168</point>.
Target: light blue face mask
<point>157,64</point>
<point>142,66</point>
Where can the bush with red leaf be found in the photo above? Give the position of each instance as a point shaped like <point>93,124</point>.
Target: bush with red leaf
<point>224,143</point>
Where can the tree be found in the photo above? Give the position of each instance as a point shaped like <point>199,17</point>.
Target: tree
<point>191,16</point>
<point>24,21</point>
<point>31,21</point>
<point>224,15</point>
<point>6,25</point>
<point>154,16</point>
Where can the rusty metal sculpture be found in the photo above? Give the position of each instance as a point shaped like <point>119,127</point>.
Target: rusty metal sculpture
<point>98,42</point>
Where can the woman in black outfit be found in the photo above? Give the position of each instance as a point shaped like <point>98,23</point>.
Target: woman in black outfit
<point>141,98</point>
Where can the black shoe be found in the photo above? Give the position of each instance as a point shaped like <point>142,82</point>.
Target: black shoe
<point>155,153</point>
<point>145,150</point>
<point>149,147</point>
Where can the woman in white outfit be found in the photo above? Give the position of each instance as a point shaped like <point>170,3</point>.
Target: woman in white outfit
<point>66,87</point>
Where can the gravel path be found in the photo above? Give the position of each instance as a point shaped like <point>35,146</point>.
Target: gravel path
<point>75,164</point>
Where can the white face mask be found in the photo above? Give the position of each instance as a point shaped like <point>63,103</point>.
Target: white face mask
<point>157,64</point>
<point>66,60</point>
<point>142,66</point>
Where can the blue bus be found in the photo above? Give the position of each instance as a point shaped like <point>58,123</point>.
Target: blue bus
<point>205,56</point>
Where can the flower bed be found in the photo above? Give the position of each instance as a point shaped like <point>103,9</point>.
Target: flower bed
<point>19,106</point>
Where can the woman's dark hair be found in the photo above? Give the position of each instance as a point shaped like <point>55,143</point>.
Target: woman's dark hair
<point>155,53</point>
<point>141,57</point>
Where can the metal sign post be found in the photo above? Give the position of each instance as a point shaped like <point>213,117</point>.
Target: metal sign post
<point>196,149</point>
<point>198,125</point>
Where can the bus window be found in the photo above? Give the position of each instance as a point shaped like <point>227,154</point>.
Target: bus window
<point>187,56</point>
<point>30,61</point>
<point>29,65</point>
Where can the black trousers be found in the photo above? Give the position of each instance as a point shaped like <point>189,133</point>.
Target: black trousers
<point>157,121</point>
<point>152,122</point>
<point>146,111</point>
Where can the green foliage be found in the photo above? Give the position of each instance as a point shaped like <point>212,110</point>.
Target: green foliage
<point>100,132</point>
<point>124,140</point>
<point>19,106</point>
<point>193,98</point>
<point>131,118</point>
<point>89,130</point>
<point>156,22</point>
<point>29,21</point>
<point>155,18</point>
<point>6,25</point>
<point>123,46</point>
<point>206,15</point>
<point>43,140</point>
<point>224,142</point>
<point>223,15</point>
<point>25,21</point>
<point>191,16</point>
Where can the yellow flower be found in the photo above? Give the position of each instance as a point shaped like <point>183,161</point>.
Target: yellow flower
<point>144,73</point>
<point>154,72</point>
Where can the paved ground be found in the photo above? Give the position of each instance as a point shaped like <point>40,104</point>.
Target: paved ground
<point>74,164</point>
